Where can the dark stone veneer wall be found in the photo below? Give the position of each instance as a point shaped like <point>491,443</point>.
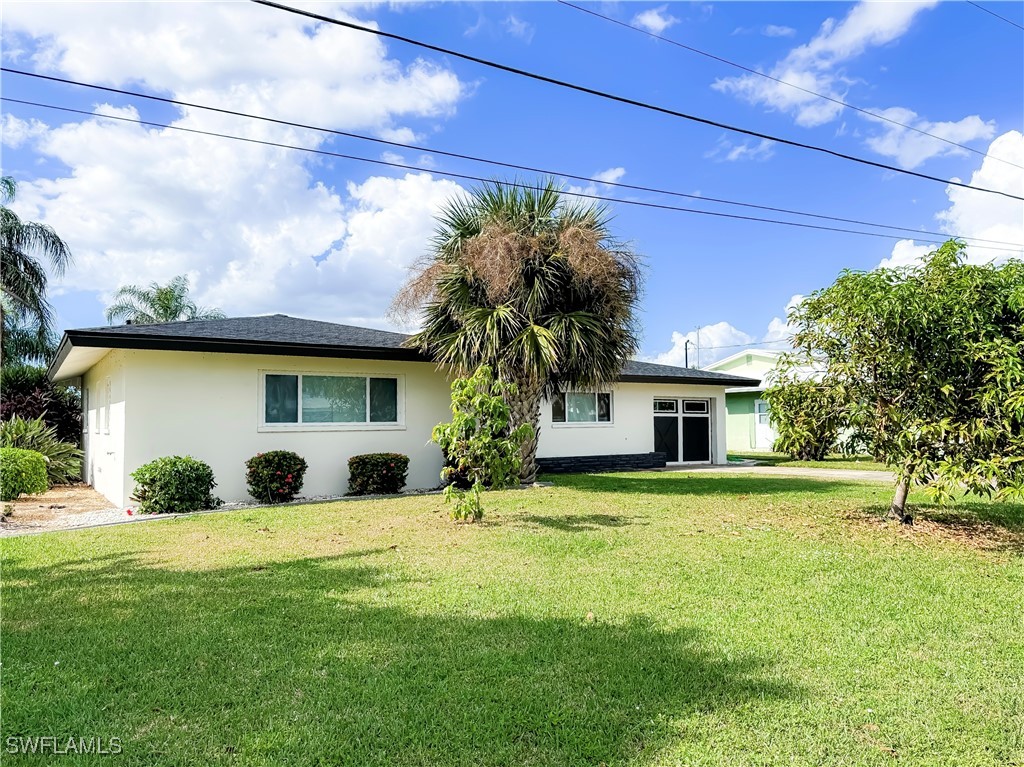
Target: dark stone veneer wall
<point>585,463</point>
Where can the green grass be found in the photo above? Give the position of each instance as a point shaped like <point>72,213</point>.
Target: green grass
<point>630,619</point>
<point>837,461</point>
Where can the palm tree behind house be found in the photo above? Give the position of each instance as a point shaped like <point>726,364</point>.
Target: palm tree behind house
<point>26,317</point>
<point>157,304</point>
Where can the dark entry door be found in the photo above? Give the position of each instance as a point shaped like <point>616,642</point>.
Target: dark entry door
<point>666,436</point>
<point>696,439</point>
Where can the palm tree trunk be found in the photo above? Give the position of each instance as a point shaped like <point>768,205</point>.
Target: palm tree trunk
<point>525,408</point>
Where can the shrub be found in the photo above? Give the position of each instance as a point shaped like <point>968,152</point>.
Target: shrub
<point>21,471</point>
<point>64,460</point>
<point>28,393</point>
<point>174,484</point>
<point>275,477</point>
<point>807,416</point>
<point>480,447</point>
<point>377,473</point>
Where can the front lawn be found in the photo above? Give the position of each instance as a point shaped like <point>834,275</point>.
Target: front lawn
<point>630,619</point>
<point>836,461</point>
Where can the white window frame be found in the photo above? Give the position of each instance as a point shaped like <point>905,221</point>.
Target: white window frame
<point>106,404</point>
<point>94,414</point>
<point>767,413</point>
<point>261,413</point>
<point>567,424</point>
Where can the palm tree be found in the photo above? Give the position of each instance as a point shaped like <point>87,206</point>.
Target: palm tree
<point>158,304</point>
<point>532,284</point>
<point>24,310</point>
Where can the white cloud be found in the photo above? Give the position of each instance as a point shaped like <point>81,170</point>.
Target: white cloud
<point>721,339</point>
<point>250,223</point>
<point>610,176</point>
<point>519,28</point>
<point>728,151</point>
<point>655,20</point>
<point>775,30</point>
<point>910,148</point>
<point>977,214</point>
<point>14,131</point>
<point>604,177</point>
<point>816,65</point>
<point>236,56</point>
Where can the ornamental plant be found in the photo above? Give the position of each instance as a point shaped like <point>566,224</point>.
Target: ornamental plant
<point>275,476</point>
<point>63,459</point>
<point>377,473</point>
<point>27,392</point>
<point>174,484</point>
<point>21,471</point>
<point>481,448</point>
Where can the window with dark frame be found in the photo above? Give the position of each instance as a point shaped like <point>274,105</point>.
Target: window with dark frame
<point>303,399</point>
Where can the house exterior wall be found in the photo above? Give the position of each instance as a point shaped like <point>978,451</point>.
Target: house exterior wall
<point>208,405</point>
<point>104,388</point>
<point>740,421</point>
<point>632,426</point>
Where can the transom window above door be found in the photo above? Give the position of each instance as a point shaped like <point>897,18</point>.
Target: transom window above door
<point>329,401</point>
<point>581,407</point>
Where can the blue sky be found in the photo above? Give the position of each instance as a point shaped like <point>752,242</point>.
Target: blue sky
<point>262,230</point>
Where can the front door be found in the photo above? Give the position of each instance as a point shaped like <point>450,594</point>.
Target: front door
<point>666,436</point>
<point>764,434</point>
<point>682,430</point>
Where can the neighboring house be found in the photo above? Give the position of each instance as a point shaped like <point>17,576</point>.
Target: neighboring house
<point>224,390</point>
<point>748,423</point>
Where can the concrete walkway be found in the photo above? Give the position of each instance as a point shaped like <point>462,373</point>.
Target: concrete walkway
<point>864,475</point>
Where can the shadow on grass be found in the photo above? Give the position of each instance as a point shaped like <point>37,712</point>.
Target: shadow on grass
<point>686,483</point>
<point>311,661</point>
<point>572,523</point>
<point>992,526</point>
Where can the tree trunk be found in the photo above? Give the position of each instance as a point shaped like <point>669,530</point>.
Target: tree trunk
<point>898,509</point>
<point>525,408</point>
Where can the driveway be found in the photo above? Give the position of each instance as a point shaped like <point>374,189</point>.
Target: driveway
<point>865,475</point>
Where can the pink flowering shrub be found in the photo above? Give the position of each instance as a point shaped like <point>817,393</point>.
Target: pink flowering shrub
<point>276,476</point>
<point>377,473</point>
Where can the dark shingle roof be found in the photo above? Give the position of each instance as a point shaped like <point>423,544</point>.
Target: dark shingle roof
<point>292,336</point>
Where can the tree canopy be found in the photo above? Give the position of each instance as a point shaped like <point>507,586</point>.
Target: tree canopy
<point>27,248</point>
<point>929,361</point>
<point>158,303</point>
<point>531,283</point>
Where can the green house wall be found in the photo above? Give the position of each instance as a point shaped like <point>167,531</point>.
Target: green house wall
<point>740,424</point>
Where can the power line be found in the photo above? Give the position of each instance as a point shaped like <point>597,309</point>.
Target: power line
<point>629,101</point>
<point>993,13</point>
<point>470,177</point>
<point>472,158</point>
<point>752,71</point>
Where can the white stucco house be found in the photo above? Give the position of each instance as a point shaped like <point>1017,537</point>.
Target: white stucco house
<point>224,390</point>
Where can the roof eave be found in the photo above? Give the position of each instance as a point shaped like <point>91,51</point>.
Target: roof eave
<point>707,381</point>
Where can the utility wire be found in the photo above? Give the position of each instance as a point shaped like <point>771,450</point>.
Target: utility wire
<point>470,177</point>
<point>629,101</point>
<point>752,71</point>
<point>514,166</point>
<point>993,13</point>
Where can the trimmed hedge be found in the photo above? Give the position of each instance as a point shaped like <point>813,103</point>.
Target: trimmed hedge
<point>21,471</point>
<point>276,476</point>
<point>174,484</point>
<point>63,459</point>
<point>377,473</point>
